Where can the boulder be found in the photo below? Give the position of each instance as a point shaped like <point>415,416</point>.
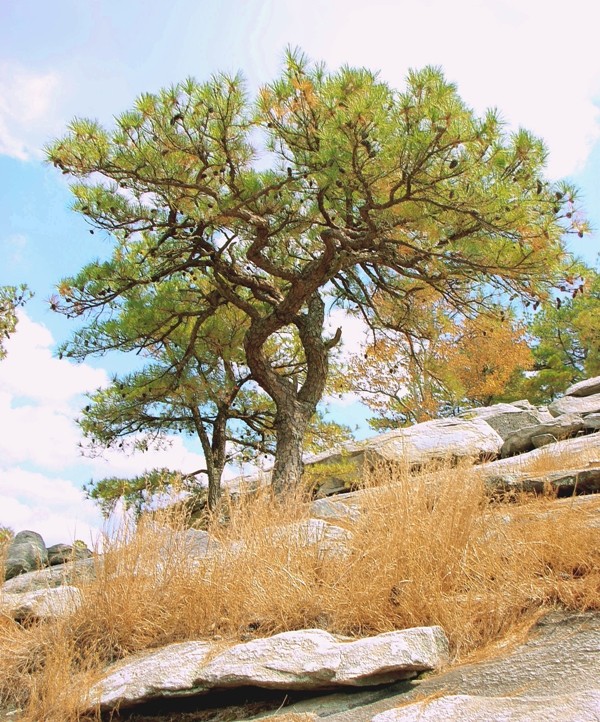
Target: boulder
<point>526,405</point>
<point>440,439</point>
<point>581,405</point>
<point>63,553</point>
<point>560,657</point>
<point>41,604</point>
<point>561,427</point>
<point>543,440</point>
<point>574,707</point>
<point>592,421</point>
<point>199,542</point>
<point>588,387</point>
<point>25,553</point>
<point>504,418</point>
<point>298,660</point>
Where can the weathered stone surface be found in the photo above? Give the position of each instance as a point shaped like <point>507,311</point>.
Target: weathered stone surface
<point>561,657</point>
<point>199,542</point>
<point>166,672</point>
<point>307,659</point>
<point>588,387</point>
<point>581,405</point>
<point>63,553</point>
<point>505,419</point>
<point>589,445</point>
<point>344,509</point>
<point>473,708</point>
<point>415,445</point>
<point>329,537</point>
<point>42,603</point>
<point>52,577</point>
<point>328,487</point>
<point>26,552</point>
<point>561,427</point>
<point>437,439</point>
<point>565,482</point>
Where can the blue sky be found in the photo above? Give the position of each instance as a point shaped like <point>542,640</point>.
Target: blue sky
<point>535,60</point>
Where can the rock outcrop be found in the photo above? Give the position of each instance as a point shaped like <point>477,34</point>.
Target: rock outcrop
<point>552,676</point>
<point>302,660</point>
<point>582,398</point>
<point>580,474</point>
<point>56,576</point>
<point>440,439</point>
<point>588,387</point>
<point>63,553</point>
<point>525,684</point>
<point>506,419</point>
<point>581,405</point>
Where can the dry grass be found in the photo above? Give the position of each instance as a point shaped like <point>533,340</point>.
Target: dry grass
<point>548,459</point>
<point>428,549</point>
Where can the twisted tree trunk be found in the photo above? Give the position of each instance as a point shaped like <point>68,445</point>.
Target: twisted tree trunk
<point>295,407</point>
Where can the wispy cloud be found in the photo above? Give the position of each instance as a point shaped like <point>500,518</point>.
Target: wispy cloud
<point>12,247</point>
<point>27,100</point>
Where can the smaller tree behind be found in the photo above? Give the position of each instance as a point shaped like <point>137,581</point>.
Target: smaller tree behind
<point>566,338</point>
<point>458,363</point>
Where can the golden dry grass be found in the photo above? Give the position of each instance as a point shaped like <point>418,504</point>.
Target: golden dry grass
<point>427,549</point>
<point>548,459</point>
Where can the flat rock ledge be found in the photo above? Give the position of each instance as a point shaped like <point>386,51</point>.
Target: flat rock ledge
<point>299,660</point>
<point>472,708</point>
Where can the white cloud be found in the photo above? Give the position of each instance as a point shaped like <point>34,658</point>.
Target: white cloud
<point>37,434</point>
<point>27,100</point>
<point>354,330</point>
<point>30,371</point>
<point>52,506</point>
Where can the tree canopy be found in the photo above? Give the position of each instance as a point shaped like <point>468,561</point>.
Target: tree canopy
<point>11,297</point>
<point>327,188</point>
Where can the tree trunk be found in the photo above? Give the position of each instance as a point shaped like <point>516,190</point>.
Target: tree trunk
<point>291,423</point>
<point>294,407</point>
<point>214,454</point>
<point>214,487</point>
<point>218,450</point>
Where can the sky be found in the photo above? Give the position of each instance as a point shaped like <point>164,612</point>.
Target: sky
<point>535,60</point>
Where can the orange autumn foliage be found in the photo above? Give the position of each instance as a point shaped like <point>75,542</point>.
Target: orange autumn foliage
<point>464,363</point>
<point>485,355</point>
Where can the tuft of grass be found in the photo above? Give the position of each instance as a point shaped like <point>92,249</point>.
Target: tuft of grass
<point>428,548</point>
<point>549,459</point>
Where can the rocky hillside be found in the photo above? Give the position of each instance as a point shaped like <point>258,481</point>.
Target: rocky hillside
<point>349,580</point>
